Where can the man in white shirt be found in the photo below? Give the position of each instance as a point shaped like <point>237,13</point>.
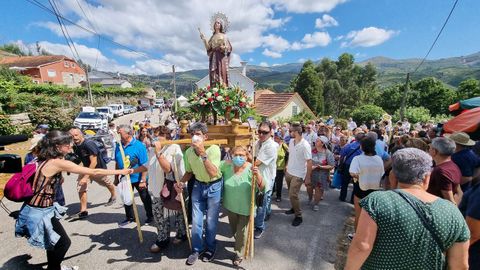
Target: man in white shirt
<point>351,124</point>
<point>299,169</point>
<point>266,161</point>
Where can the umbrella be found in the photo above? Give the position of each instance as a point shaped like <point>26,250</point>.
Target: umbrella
<point>465,104</point>
<point>466,122</point>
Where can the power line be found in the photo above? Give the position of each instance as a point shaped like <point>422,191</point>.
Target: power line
<point>94,28</point>
<point>435,41</point>
<point>62,25</point>
<point>40,5</point>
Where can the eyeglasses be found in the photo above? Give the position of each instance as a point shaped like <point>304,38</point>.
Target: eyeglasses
<point>263,132</point>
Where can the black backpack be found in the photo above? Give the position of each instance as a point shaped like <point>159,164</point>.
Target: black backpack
<point>103,153</point>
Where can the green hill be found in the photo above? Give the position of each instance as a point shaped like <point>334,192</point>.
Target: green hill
<point>451,71</point>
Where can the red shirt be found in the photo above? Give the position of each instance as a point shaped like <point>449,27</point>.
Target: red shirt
<point>446,177</point>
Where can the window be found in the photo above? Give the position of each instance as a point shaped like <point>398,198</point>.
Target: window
<point>52,73</point>
<point>66,64</point>
<point>73,65</point>
<point>71,77</point>
<point>294,110</point>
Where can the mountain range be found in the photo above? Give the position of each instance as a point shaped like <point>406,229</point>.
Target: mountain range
<point>450,71</point>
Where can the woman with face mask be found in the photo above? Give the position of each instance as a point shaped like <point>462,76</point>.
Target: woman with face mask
<point>237,175</point>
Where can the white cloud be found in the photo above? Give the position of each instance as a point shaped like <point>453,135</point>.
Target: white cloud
<point>368,37</point>
<point>325,21</point>
<point>272,54</point>
<point>317,39</point>
<point>128,54</point>
<point>306,6</point>
<point>276,43</point>
<point>263,64</point>
<point>302,60</point>
<point>73,30</point>
<point>169,28</point>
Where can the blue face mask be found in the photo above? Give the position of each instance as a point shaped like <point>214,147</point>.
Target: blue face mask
<point>238,161</point>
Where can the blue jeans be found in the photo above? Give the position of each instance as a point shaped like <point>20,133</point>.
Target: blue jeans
<point>264,210</point>
<point>205,198</point>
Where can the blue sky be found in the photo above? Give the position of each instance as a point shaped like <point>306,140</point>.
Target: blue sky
<point>267,32</point>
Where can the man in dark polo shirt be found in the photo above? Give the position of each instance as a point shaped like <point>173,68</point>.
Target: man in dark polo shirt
<point>446,176</point>
<point>90,155</point>
<point>465,158</point>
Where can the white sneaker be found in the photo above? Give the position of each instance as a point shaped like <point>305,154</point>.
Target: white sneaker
<point>315,208</point>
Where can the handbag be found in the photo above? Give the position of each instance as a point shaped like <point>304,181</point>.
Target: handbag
<point>19,187</point>
<point>424,220</point>
<point>337,179</point>
<point>169,196</point>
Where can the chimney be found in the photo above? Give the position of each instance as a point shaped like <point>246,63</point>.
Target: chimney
<point>244,68</point>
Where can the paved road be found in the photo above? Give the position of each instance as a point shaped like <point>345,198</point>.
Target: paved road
<point>98,243</point>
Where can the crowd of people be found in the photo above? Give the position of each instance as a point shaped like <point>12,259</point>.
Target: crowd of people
<point>415,190</point>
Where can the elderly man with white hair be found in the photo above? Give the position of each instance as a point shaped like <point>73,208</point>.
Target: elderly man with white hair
<point>408,228</point>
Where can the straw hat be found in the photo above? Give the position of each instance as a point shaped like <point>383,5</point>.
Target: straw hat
<point>34,141</point>
<point>461,138</point>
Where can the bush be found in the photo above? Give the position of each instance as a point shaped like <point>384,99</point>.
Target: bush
<point>365,113</point>
<point>414,114</point>
<point>6,127</point>
<point>341,122</point>
<point>302,116</point>
<point>55,118</point>
<point>185,113</point>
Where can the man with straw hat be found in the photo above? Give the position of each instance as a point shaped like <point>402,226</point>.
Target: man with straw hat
<point>464,157</point>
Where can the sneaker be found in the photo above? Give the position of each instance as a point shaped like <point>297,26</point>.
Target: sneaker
<point>257,234</point>
<point>64,267</point>
<point>79,216</point>
<point>207,256</point>
<point>315,207</point>
<point>278,199</point>
<point>237,260</point>
<point>149,220</point>
<point>290,212</point>
<point>192,259</point>
<point>297,221</point>
<point>125,223</point>
<point>350,236</point>
<point>110,202</point>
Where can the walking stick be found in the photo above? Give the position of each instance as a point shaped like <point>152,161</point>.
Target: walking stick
<point>249,247</point>
<point>182,202</point>
<point>134,205</point>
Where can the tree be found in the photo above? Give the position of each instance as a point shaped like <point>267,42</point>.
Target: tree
<point>13,48</point>
<point>365,113</point>
<point>468,89</point>
<point>433,95</point>
<point>308,85</point>
<point>415,114</point>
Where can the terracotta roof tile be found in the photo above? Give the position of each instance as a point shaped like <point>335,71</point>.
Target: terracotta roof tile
<point>267,104</point>
<point>31,61</point>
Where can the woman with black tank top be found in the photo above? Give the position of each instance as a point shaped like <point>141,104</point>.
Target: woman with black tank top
<point>41,207</point>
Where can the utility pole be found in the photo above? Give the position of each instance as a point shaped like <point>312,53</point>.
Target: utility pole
<point>174,90</point>
<point>404,98</point>
<point>89,89</point>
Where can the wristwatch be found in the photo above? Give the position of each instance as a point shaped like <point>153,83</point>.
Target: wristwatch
<point>204,157</point>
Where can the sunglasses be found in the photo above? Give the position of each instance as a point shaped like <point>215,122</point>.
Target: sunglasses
<point>263,132</point>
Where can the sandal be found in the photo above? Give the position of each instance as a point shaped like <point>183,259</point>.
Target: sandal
<point>237,261</point>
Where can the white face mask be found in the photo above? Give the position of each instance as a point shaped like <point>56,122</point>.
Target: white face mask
<point>196,138</point>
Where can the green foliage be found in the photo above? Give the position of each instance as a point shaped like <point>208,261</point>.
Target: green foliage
<point>414,114</point>
<point>365,113</point>
<point>6,127</point>
<point>433,95</point>
<point>308,85</point>
<point>185,113</point>
<point>302,116</point>
<point>468,89</point>
<point>56,118</point>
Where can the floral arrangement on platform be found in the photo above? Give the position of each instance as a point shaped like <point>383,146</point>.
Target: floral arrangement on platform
<point>220,100</point>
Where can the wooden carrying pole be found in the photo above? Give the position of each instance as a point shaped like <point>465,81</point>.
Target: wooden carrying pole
<point>249,246</point>
<point>189,141</point>
<point>134,205</point>
<point>182,202</point>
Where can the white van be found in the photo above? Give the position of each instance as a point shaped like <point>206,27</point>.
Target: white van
<point>107,111</point>
<point>159,103</point>
<point>117,109</point>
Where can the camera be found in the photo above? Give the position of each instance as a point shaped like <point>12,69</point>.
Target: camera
<point>73,158</point>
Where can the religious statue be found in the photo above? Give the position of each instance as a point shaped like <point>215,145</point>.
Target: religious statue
<point>218,49</point>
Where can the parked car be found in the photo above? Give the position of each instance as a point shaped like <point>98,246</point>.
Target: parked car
<point>117,109</point>
<point>142,107</point>
<point>159,103</point>
<point>129,109</point>
<point>91,120</point>
<point>107,111</point>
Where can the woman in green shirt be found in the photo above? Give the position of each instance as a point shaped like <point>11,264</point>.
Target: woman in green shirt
<point>237,175</point>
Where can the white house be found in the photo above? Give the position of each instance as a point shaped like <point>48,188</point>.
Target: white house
<point>182,101</point>
<point>236,77</point>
